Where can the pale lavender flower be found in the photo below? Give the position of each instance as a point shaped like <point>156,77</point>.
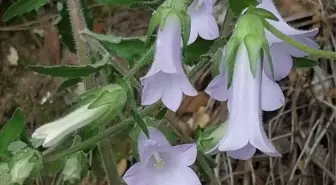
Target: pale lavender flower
<point>203,22</point>
<point>248,96</point>
<point>161,163</point>
<point>166,79</point>
<point>281,52</point>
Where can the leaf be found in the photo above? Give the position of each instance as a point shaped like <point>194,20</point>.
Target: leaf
<point>136,116</point>
<point>211,137</point>
<point>196,50</point>
<point>12,130</point>
<point>21,7</point>
<point>102,37</point>
<point>16,146</point>
<point>130,50</point>
<point>69,71</point>
<point>68,83</point>
<point>304,62</point>
<point>237,6</point>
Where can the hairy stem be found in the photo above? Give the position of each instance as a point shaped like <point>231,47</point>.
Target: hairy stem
<point>78,24</point>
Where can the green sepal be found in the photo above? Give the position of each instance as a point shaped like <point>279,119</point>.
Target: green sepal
<point>185,22</point>
<point>262,13</point>
<point>231,55</point>
<point>253,45</point>
<point>266,51</point>
<point>153,24</point>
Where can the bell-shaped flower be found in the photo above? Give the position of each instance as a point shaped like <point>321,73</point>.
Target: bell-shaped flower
<point>203,22</point>
<point>161,163</point>
<point>53,132</point>
<point>95,105</point>
<point>282,52</point>
<point>249,95</point>
<point>166,79</point>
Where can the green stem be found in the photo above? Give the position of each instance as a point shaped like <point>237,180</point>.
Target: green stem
<point>303,47</point>
<point>143,60</point>
<point>78,23</point>
<point>107,156</point>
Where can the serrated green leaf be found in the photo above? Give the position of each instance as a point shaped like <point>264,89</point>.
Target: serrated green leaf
<point>70,71</point>
<point>21,7</point>
<point>253,45</point>
<point>260,12</point>
<point>12,129</point>
<point>102,37</point>
<point>304,62</point>
<point>238,6</point>
<point>68,83</point>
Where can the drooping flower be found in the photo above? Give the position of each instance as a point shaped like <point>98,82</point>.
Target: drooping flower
<point>166,79</point>
<point>249,95</point>
<point>203,22</point>
<point>95,105</point>
<point>53,132</point>
<point>161,163</point>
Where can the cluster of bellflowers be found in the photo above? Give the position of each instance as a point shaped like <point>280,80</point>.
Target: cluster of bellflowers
<point>253,60</point>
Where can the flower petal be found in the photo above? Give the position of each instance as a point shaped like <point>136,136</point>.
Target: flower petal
<point>217,88</point>
<point>272,97</point>
<point>282,63</point>
<point>281,24</point>
<point>168,57</point>
<point>155,143</point>
<point>133,176</point>
<point>185,85</point>
<point>207,27</point>
<point>184,154</point>
<point>297,52</point>
<point>259,140</point>
<point>178,175</point>
<point>172,96</point>
<point>193,35</point>
<point>244,153</point>
<point>151,93</point>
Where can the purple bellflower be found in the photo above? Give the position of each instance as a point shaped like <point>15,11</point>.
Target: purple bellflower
<point>161,163</point>
<point>249,95</point>
<point>166,79</point>
<point>203,22</point>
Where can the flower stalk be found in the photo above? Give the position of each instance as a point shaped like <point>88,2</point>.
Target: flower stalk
<point>293,42</point>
